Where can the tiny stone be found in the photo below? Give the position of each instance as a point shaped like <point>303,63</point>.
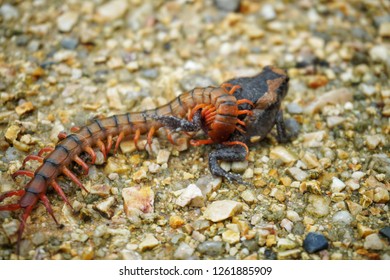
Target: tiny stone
<point>248,196</point>
<point>211,248</point>
<point>24,108</point>
<point>183,252</point>
<point>191,195</point>
<point>373,242</point>
<point>268,12</point>
<point>228,5</point>
<point>385,232</point>
<point>381,195</point>
<point>112,10</point>
<point>354,208</point>
<point>294,108</point>
<point>384,29</point>
<point>69,43</point>
<point>337,185</point>
<point>230,236</point>
<point>10,228</point>
<point>372,141</point>
<point>314,139</point>
<point>101,190</point>
<point>9,12</point>
<point>140,175</point>
<point>333,121</point>
<point>239,166</point>
<point>298,174</point>
<point>222,209</point>
<point>137,200</point>
<point>105,207</point>
<point>149,242</point>
<point>38,238</point>
<point>280,152</point>
<point>286,224</point>
<point>286,244</point>
<point>176,221</point>
<point>379,53</point>
<point>343,217</point>
<point>163,156</point>
<point>66,21</point>
<point>318,205</point>
<point>293,216</point>
<point>364,231</point>
<point>315,242</point>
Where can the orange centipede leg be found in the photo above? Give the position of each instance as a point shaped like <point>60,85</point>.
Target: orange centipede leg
<point>73,177</point>
<point>150,135</point>
<point>136,138</point>
<point>169,136</point>
<point>47,149</point>
<point>102,148</point>
<point>248,112</point>
<point>201,142</point>
<point>11,193</point>
<point>32,157</point>
<point>27,173</point>
<point>48,207</point>
<point>91,153</point>
<point>62,135</point>
<point>59,190</point>
<point>82,163</point>
<point>118,141</point>
<point>109,143</point>
<point>245,101</point>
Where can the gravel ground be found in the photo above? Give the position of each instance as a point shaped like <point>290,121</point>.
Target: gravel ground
<point>325,195</point>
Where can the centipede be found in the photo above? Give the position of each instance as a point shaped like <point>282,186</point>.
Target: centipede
<point>213,110</point>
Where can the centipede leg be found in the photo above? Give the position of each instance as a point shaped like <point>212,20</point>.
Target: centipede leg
<point>59,190</point>
<point>73,177</point>
<point>201,142</point>
<point>102,148</point>
<point>109,143</point>
<point>27,173</point>
<point>48,207</point>
<point>136,137</point>
<point>245,101</point>
<point>12,193</point>
<point>32,157</point>
<point>83,165</point>
<point>150,136</point>
<point>45,150</point>
<point>91,153</point>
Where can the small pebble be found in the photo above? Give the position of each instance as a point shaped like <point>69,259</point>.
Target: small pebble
<point>69,43</point>
<point>298,174</point>
<point>315,242</point>
<point>191,195</point>
<point>373,242</point>
<point>343,217</point>
<point>211,248</point>
<point>385,232</point>
<point>222,209</point>
<point>228,5</point>
<point>149,242</point>
<point>337,185</point>
<point>230,236</point>
<point>294,108</point>
<point>285,244</point>
<point>183,252</point>
<point>112,10</point>
<point>66,21</point>
<point>282,153</point>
